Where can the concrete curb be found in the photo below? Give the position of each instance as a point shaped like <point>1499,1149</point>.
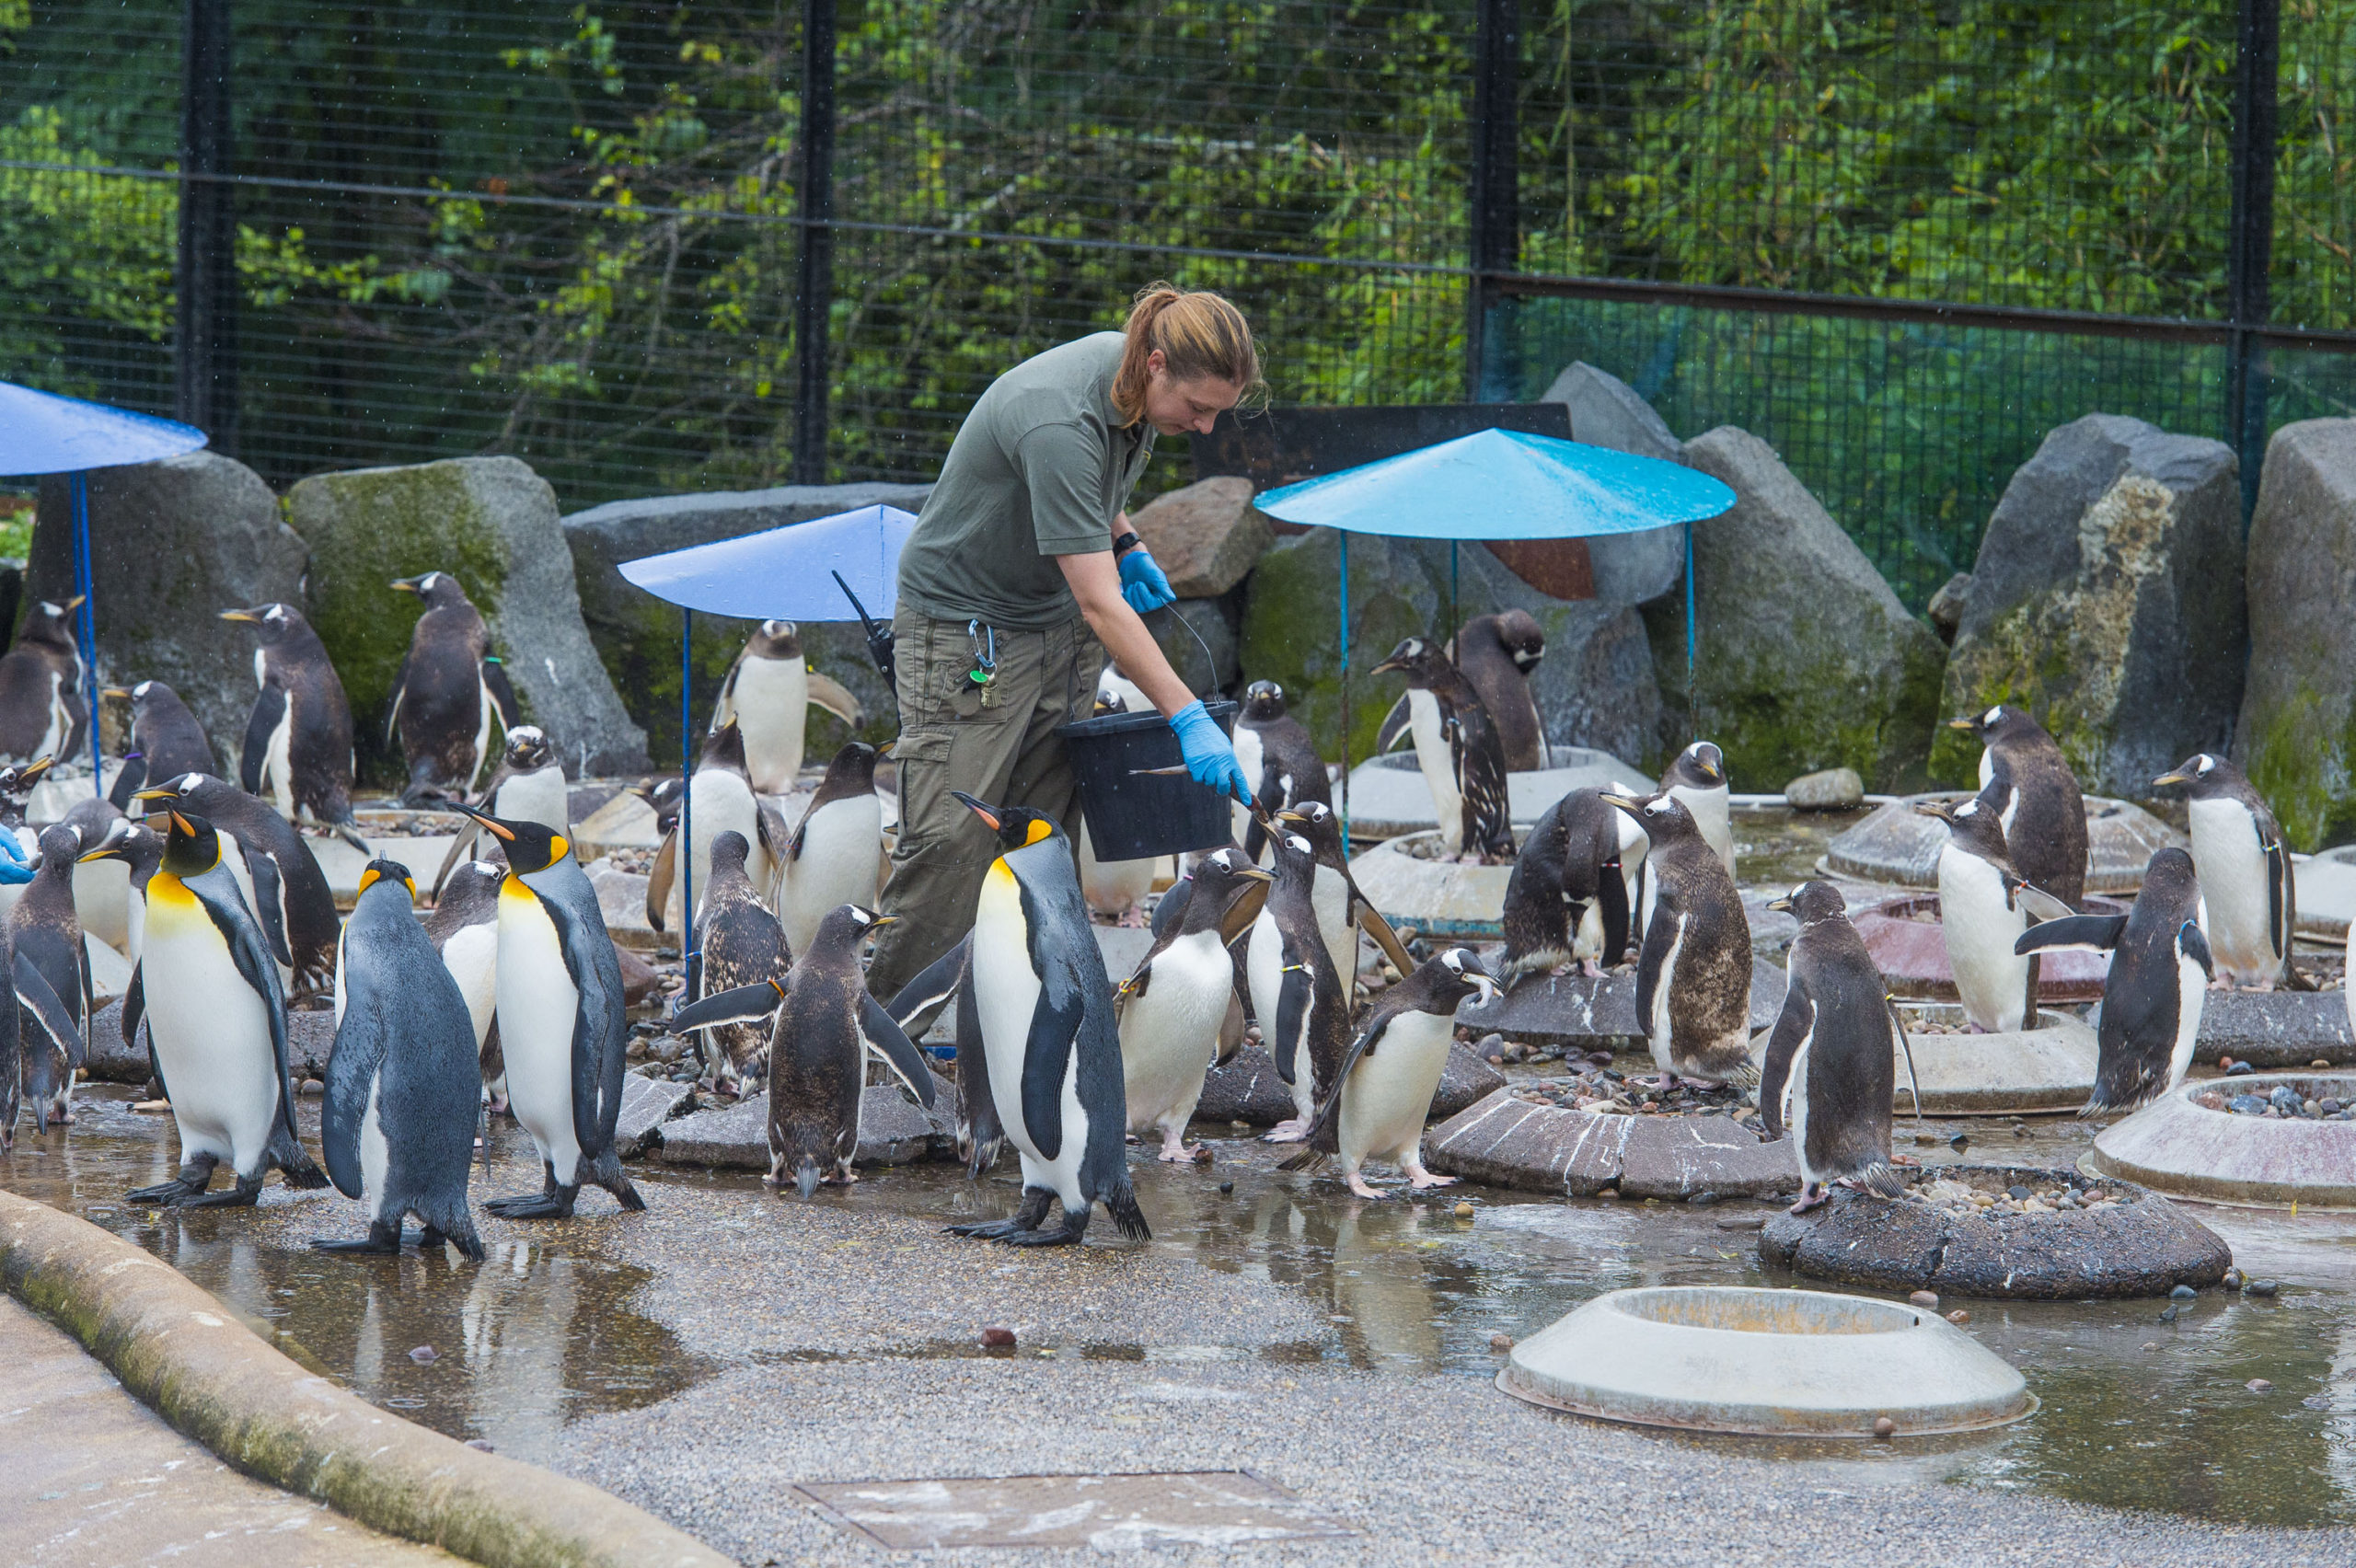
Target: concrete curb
<point>178,1349</point>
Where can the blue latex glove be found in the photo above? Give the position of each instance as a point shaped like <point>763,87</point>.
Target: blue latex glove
<point>1210,755</point>
<point>1142,582</point>
<point>14,872</point>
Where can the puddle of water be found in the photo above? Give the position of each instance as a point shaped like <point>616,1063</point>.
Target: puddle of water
<point>1775,847</point>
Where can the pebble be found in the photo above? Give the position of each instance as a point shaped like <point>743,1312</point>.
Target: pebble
<point>2238,1069</point>
<point>1609,1192</point>
<point>2182,1293</point>
<point>2168,1314</point>
<point>1924,1299</point>
<point>1202,1154</point>
<point>1958,1316</point>
<point>1959,1141</point>
<point>1743,1222</point>
<point>1226,1187</point>
<point>2258,1385</point>
<point>2234,1279</point>
<point>1464,1211</point>
<point>1884,1427</point>
<point>1500,1342</point>
<point>2262,1287</point>
<point>1239,1126</point>
<point>2017,1191</point>
<point>423,1355</point>
<point>997,1339</point>
<point>2151,1345</point>
<point>2224,1063</point>
<point>2318,1065</point>
<point>482,1444</point>
<point>1702,1200</point>
<point>1924,1140</point>
<point>312,1087</point>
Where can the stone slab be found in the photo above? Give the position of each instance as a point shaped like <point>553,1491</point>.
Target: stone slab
<point>647,1104</point>
<point>2325,886</point>
<point>2276,1028</point>
<point>1245,1087</point>
<point>1676,1156</point>
<point>1507,1142</point>
<point>893,1130</point>
<point>1570,1010</point>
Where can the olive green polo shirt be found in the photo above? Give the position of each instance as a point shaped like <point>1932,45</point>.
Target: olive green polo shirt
<point>1039,469</point>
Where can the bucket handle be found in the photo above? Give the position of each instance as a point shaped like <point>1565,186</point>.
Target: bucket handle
<point>1209,663</point>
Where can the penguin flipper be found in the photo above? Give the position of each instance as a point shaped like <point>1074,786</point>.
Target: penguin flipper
<point>1371,922</point>
<point>597,1062</point>
<point>1612,896</point>
<point>259,970</point>
<point>978,1112</point>
<point>659,878</point>
<point>723,707</point>
<point>1792,1027</point>
<point>1397,728</point>
<point>353,1064</point>
<point>742,1004</point>
<point>131,776</point>
<point>1294,992</point>
<point>503,694</point>
<point>263,866</point>
<point>461,848</point>
<point>781,844</point>
<point>830,694</point>
<point>937,982</point>
<point>134,1005</point>
<point>899,1054</point>
<point>40,999</point>
<point>1047,1058</point>
<point>2040,905</point>
<point>2097,933</point>
<point>2193,943</point>
<point>1324,1131</point>
<point>392,725</point>
<point>270,711</point>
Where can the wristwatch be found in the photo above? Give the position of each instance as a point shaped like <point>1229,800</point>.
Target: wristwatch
<point>1124,544</point>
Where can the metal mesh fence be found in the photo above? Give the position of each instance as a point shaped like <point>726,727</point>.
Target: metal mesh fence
<point>469,225</point>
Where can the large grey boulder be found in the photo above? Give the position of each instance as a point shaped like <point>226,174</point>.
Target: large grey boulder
<point>172,545</point>
<point>491,523</point>
<point>1206,537</point>
<point>637,635</point>
<point>1606,411</point>
<point>2297,734</point>
<point>2108,600</point>
<point>1806,660</point>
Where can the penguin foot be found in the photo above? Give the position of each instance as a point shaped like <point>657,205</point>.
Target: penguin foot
<point>1421,1179</point>
<point>1068,1234</point>
<point>1815,1195</point>
<point>1173,1149</point>
<point>1358,1185</point>
<point>165,1192</point>
<point>1590,969</point>
<point>245,1194</point>
<point>557,1205</point>
<point>1292,1131</point>
<point>991,1230</point>
<point>381,1240</point>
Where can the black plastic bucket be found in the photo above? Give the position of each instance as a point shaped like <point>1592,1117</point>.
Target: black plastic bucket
<point>1132,816</point>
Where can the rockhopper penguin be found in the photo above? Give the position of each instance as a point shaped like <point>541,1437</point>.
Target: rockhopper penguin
<point>449,692</point>
<point>2245,869</point>
<point>397,1127</point>
<point>1693,975</point>
<point>1384,1092</point>
<point>768,694</point>
<point>1458,749</point>
<point>1834,1050</point>
<point>562,1021</point>
<point>299,741</point>
<point>217,1021</point>
<point>2160,967</point>
<point>2028,783</point>
<point>1171,1009</point>
<point>1045,1012</point>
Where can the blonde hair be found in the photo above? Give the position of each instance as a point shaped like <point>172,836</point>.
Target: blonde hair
<point>1201,336</point>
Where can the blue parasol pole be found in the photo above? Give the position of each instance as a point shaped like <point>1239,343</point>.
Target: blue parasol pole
<point>689,955</point>
<point>80,485</point>
<point>1692,697</point>
<point>1342,538</point>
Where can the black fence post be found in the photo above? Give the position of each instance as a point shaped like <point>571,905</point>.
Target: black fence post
<point>2251,246</point>
<point>205,360</point>
<point>814,279</point>
<point>1493,217</point>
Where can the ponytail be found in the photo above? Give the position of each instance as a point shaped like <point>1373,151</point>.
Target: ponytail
<point>1201,336</point>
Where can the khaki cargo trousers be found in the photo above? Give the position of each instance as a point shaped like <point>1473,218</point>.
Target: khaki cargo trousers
<point>998,745</point>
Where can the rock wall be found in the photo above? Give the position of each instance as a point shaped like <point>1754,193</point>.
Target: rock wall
<point>2297,731</point>
<point>172,545</point>
<point>491,523</point>
<point>2108,601</point>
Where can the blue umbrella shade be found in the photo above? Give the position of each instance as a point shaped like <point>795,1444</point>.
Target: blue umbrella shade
<point>41,433</point>
<point>787,573</point>
<point>1503,484</point>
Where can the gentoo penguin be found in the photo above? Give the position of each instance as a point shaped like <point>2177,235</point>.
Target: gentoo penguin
<point>44,933</point>
<point>837,849</point>
<point>719,799</point>
<point>299,741</point>
<point>137,849</point>
<point>1497,653</point>
<point>1834,1050</point>
<point>1125,694</point>
<point>1171,1009</point>
<point>448,692</point>
<point>17,785</point>
<point>397,1128</point>
<point>2244,869</point>
<point>1457,747</point>
<point>165,740</point>
<point>768,692</point>
<point>42,709</point>
<point>827,1025</point>
<point>1342,910</point>
<point>562,1022</point>
<point>216,1023</point>
<point>1385,1089</point>
<point>1053,1048</point>
<point>1568,900</point>
<point>463,926</point>
<point>101,888</point>
<point>2160,968</point>
<point>1298,995</point>
<point>1698,778</point>
<point>528,787</point>
<point>1693,973</point>
<point>743,944</point>
<point>2028,783</point>
<point>274,870</point>
<point>1984,905</point>
<point>1279,759</point>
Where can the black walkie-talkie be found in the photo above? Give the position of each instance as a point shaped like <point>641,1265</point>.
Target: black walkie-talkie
<point>881,640</point>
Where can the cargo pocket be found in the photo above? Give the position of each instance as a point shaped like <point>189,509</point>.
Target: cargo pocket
<point>928,810</point>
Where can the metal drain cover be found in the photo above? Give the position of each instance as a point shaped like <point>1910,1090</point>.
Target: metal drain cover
<point>1109,1512</point>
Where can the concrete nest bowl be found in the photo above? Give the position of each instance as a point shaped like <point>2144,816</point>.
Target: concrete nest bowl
<point>2135,1244</point>
<point>1410,881</point>
<point>1910,947</point>
<point>2186,1149</point>
<point>1388,797</point>
<point>1510,1142</point>
<point>1777,1363</point>
<point>1897,845</point>
<point>2049,1069</point>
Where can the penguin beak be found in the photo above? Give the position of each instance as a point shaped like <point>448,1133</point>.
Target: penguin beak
<point>1781,905</point>
<point>986,813</point>
<point>159,793</point>
<point>405,585</point>
<point>121,692</point>
<point>885,749</point>
<point>104,852</point>
<point>1386,666</point>
<point>2170,778</point>
<point>34,769</point>
<point>76,602</point>
<point>1624,803</point>
<point>1256,874</point>
<point>883,920</point>
<point>246,616</point>
<point>1939,809</point>
<point>497,827</point>
<point>1963,723</point>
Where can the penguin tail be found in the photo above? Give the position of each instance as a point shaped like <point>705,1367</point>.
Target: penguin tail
<point>606,1172</point>
<point>1306,1159</point>
<point>1881,1179</point>
<point>456,1224</point>
<point>1122,1205</point>
<point>302,1172</point>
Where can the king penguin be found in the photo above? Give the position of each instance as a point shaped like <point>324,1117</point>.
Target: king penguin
<point>2245,869</point>
<point>216,1020</point>
<point>44,935</point>
<point>1382,1093</point>
<point>43,711</point>
<point>1984,905</point>
<point>2028,783</point>
<point>1298,995</point>
<point>2160,968</point>
<point>166,740</point>
<point>1694,972</point>
<point>1568,900</point>
<point>274,870</point>
<point>463,929</point>
<point>1456,746</point>
<point>528,787</point>
<point>769,693</point>
<point>1278,757</point>
<point>449,690</point>
<point>719,798</point>
<point>743,944</point>
<point>1834,1051</point>
<point>1169,1009</point>
<point>298,739</point>
<point>826,1027</point>
<point>837,849</point>
<point>562,1021</point>
<point>397,1127</point>
<point>1045,1013</point>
